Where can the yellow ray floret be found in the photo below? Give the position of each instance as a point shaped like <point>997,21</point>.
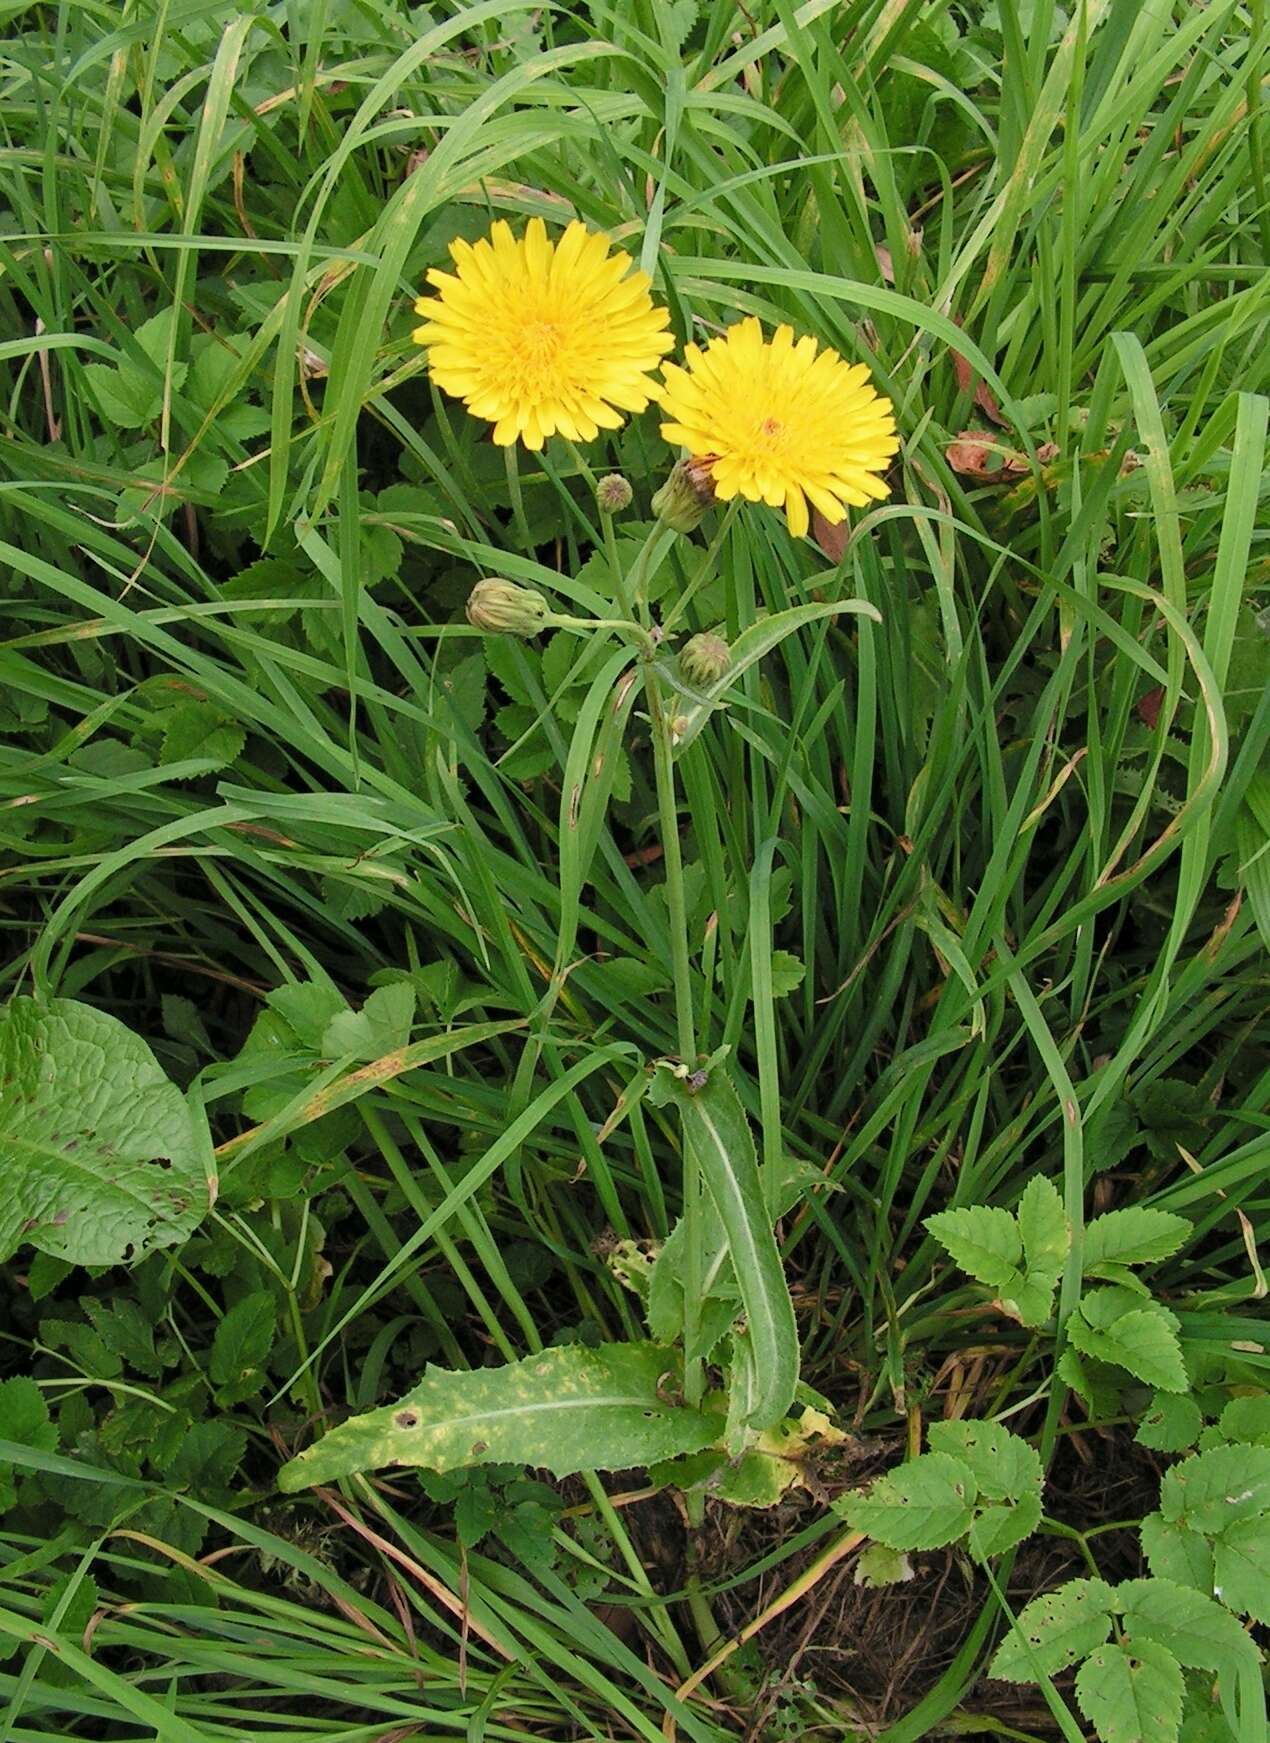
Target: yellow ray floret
<point>541,337</point>
<point>783,421</point>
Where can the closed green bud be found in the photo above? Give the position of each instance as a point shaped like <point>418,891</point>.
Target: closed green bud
<point>686,495</point>
<point>502,608</point>
<point>704,659</point>
<point>613,494</point>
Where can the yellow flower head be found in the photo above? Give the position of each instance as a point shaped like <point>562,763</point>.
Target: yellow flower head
<point>542,336</point>
<point>781,422</point>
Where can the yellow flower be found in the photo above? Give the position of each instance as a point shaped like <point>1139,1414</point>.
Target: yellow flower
<point>540,336</point>
<point>780,422</point>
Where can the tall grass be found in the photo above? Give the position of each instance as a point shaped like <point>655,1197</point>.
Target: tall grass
<point>1013,834</point>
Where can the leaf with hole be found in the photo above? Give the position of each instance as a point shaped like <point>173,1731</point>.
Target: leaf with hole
<point>1131,1693</point>
<point>1175,1552</point>
<point>1196,1630</point>
<point>1005,1467</point>
<point>568,1409</point>
<point>1212,1489</point>
<point>1055,1630</point>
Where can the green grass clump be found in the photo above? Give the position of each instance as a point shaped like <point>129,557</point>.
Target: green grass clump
<point>974,880</point>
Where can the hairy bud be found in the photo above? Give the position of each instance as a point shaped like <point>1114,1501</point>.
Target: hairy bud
<point>613,494</point>
<point>501,608</point>
<point>686,495</point>
<point>704,659</point>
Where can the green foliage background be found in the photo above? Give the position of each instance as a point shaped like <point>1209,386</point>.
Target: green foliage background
<point>978,893</point>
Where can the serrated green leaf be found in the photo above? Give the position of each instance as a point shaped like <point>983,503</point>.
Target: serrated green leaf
<point>982,1239</point>
<point>1198,1632</point>
<point>1055,1630</point>
<point>1214,1488</point>
<point>126,396</point>
<point>788,973</point>
<point>242,1344</point>
<point>123,1328</point>
<point>200,730</point>
<point>923,1505</point>
<point>1171,1423</point>
<point>1044,1230</point>
<point>24,1418</point>
<point>1142,1340</point>
<point>1241,1567</point>
<point>306,1007</point>
<point>1090,1380</point>
<point>1132,1693</point>
<point>1005,1467</point>
<point>1029,1300</point>
<point>1175,1552</point>
<point>569,1409</point>
<point>999,1527</point>
<point>381,1026</point>
<point>95,1167</point>
<point>1247,1420</point>
<point>1133,1237</point>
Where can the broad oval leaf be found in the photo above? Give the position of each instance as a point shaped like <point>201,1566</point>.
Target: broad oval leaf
<point>1176,1553</point>
<point>100,1160</point>
<point>568,1409</point>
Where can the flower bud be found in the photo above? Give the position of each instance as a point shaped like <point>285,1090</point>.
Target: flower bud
<point>686,494</point>
<point>704,659</point>
<point>501,608</point>
<point>613,494</point>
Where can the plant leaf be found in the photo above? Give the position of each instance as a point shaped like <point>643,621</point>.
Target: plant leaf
<point>1241,1568</point>
<point>568,1409</point>
<point>1142,1340</point>
<point>1005,1467</point>
<point>1197,1631</point>
<point>922,1505</point>
<point>1059,1627</point>
<point>1171,1424</point>
<point>1044,1230</point>
<point>716,1128</point>
<point>97,1165</point>
<point>1132,1693</point>
<point>1212,1489</point>
<point>999,1527</point>
<point>983,1241</point>
<point>1175,1552</point>
<point>1133,1236</point>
